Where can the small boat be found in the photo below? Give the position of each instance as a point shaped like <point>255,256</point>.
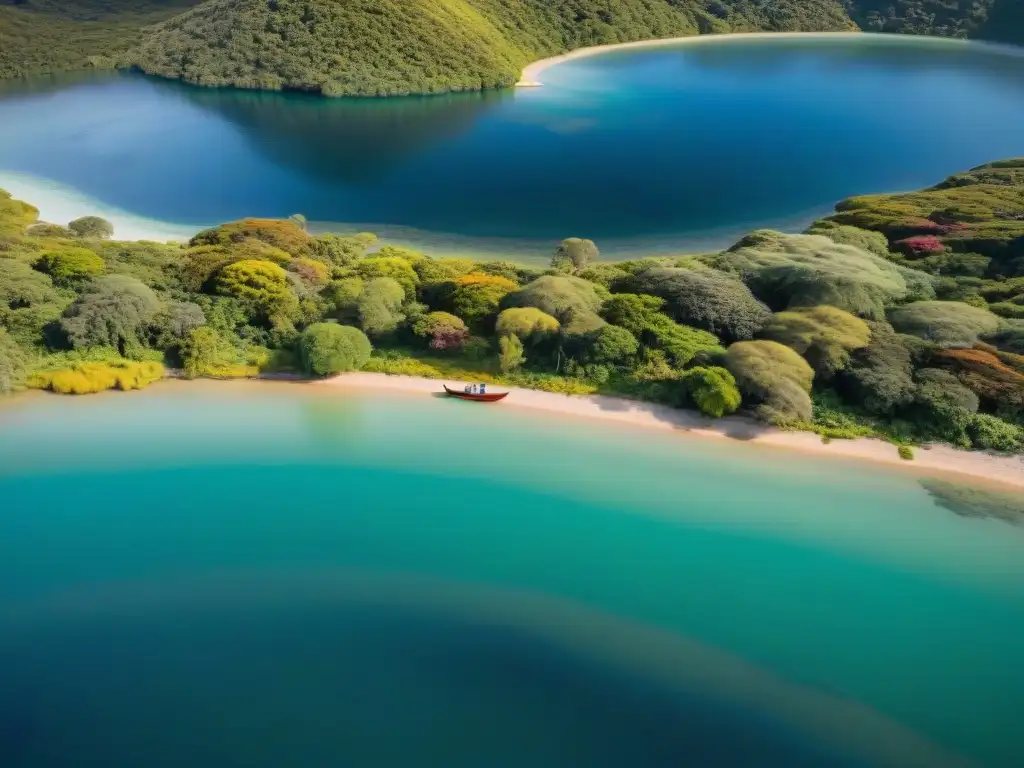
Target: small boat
<point>489,397</point>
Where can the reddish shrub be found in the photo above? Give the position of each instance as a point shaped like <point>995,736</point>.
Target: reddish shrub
<point>920,245</point>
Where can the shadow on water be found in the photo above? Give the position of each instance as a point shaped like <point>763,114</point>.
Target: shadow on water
<point>345,669</point>
<point>341,140</point>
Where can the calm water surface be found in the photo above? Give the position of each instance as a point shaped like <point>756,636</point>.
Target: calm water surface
<point>653,150</point>
<point>266,575</point>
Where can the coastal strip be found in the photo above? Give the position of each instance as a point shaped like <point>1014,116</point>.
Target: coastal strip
<point>935,460</point>
<point>530,77</point>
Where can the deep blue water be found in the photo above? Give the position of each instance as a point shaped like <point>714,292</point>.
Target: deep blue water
<point>220,575</point>
<point>643,150</point>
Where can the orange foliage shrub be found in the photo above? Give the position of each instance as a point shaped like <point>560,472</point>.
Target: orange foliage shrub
<point>281,233</point>
<point>985,374</point>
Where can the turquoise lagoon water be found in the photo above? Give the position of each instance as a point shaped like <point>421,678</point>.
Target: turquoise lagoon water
<point>266,575</point>
<point>643,151</point>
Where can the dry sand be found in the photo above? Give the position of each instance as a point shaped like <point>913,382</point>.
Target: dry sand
<point>938,460</point>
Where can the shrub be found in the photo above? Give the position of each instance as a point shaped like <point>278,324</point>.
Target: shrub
<point>866,240</point>
<point>280,233</point>
<point>342,296</point>
<point>574,255</point>
<point>990,433</point>
<point>561,296</point>
<point>510,353</point>
<point>89,378</point>
<point>262,286</point>
<point>112,312</point>
<point>530,324</point>
<point>787,271</point>
<point>313,272</point>
<point>45,229</point>
<point>946,323</point>
<point>441,330</point>
<point>431,271</point>
<point>905,452</point>
<point>69,265</point>
<point>880,375</point>
<point>92,227</point>
<point>13,362</point>
<point>379,306</point>
<point>476,297</point>
<point>612,345</point>
<point>825,336</point>
<point>205,353</point>
<point>774,374</point>
<point>993,381</point>
<point>394,267</point>
<point>712,389</point>
<point>707,299</point>
<point>342,250</point>
<point>327,349</point>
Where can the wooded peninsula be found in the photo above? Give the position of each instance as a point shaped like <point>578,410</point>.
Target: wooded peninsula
<point>899,316</point>
<point>394,47</point>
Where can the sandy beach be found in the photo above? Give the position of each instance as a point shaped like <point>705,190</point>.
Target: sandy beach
<point>937,460</point>
<point>530,77</point>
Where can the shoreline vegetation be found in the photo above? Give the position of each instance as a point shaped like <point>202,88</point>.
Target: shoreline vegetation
<point>343,48</point>
<point>899,318</point>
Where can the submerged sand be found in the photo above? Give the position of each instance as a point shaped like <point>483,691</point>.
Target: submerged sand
<point>936,460</point>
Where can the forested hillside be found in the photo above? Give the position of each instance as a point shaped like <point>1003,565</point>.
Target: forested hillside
<point>383,47</point>
<point>45,36</point>
<point>373,47</point>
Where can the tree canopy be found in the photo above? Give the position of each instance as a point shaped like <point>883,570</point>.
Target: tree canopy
<point>328,349</point>
<point>825,336</point>
<point>707,299</point>
<point>112,312</point>
<point>945,323</point>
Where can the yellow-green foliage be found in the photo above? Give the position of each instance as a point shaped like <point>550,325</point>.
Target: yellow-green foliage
<point>528,323</point>
<point>824,335</point>
<point>261,284</point>
<point>395,267</point>
<point>89,378</point>
<point>15,215</point>
<point>205,353</point>
<point>476,296</point>
<point>69,264</point>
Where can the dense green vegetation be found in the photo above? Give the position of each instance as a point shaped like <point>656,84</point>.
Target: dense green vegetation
<point>376,47</point>
<point>846,330</point>
<point>1000,20</point>
<point>46,36</point>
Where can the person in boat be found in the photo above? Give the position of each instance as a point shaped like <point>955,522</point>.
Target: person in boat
<point>466,389</point>
<point>483,388</point>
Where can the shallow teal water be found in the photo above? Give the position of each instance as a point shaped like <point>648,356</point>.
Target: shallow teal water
<point>643,151</point>
<point>221,575</point>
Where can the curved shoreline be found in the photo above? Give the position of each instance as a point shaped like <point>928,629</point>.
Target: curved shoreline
<point>530,77</point>
<point>937,460</point>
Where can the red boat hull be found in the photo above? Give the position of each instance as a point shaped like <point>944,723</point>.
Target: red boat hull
<point>485,398</point>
